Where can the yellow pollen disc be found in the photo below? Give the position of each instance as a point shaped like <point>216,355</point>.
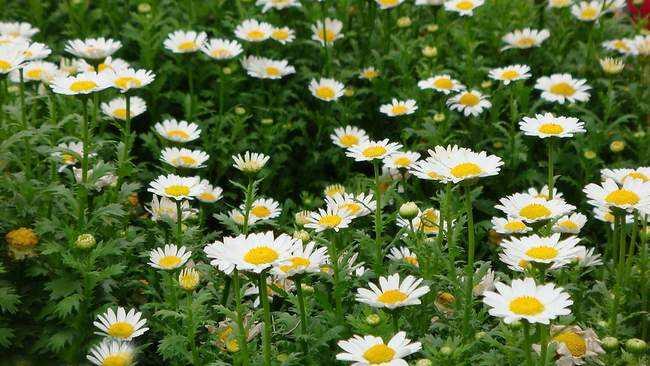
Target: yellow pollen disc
<point>334,189</point>
<point>327,35</point>
<point>169,261</point>
<point>622,197</point>
<point>187,46</point>
<point>330,220</point>
<point>637,175</point>
<point>370,74</point>
<point>564,89</point>
<point>609,217</point>
<point>349,140</point>
<point>261,255</point>
<point>434,175</point>
<point>296,263</point>
<point>272,71</point>
<point>120,330</point>
<point>515,226</point>
<point>68,159</point>
<point>34,73</point>
<point>352,207</point>
<point>185,160</point>
<point>118,359</point>
<point>523,264</point>
<point>542,252</point>
<point>256,34</point>
<point>568,225</point>
<point>179,134</point>
<point>402,162</point>
<point>220,53</point>
<point>392,297</point>
<point>469,99</point>
<point>411,260</point>
<point>551,129</point>
<point>465,170</point>
<point>509,74</point>
<point>374,151</point>
<point>101,67</point>
<point>465,5</point>
<point>443,83</point>
<point>260,211</point>
<point>120,113</point>
<point>388,2</point>
<point>525,42</point>
<point>589,13</point>
<point>399,109</point>
<point>621,45</point>
<point>526,305</point>
<point>4,65</point>
<point>574,342</point>
<point>280,34</point>
<point>126,82</point>
<point>83,86</point>
<point>325,92</point>
<point>177,190</point>
<point>378,354</point>
<point>207,196</point>
<point>534,211</point>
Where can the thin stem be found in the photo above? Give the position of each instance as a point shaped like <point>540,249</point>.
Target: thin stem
<point>85,140</point>
<point>266,334</point>
<point>395,319</point>
<point>179,222</point>
<point>222,87</point>
<point>378,224</point>
<point>21,89</point>
<point>527,344</point>
<point>543,335</point>
<point>323,9</point>
<point>248,202</point>
<point>240,318</point>
<point>451,248</point>
<point>469,269</point>
<point>191,332</point>
<point>190,82</point>
<point>334,257</point>
<point>303,312</point>
<point>614,309</point>
<point>550,149</point>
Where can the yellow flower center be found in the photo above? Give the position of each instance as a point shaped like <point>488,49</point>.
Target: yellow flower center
<point>568,225</point>
<point>526,305</point>
<point>207,196</point>
<point>370,74</point>
<point>83,86</point>
<point>574,342</point>
<point>220,53</point>
<point>429,221</point>
<point>326,34</point>
<point>68,159</point>
<point>621,45</point>
<point>469,99</point>
<point>349,140</point>
<point>296,263</point>
<point>169,261</point>
<point>118,359</point>
<point>188,280</point>
<point>434,175</point>
<point>120,330</point>
<point>280,34</point>
<point>325,92</point>
<point>563,88</point>
<point>179,134</point>
<point>330,220</point>
<point>379,354</point>
<point>4,65</point>
<point>542,252</point>
<point>523,264</point>
<point>411,260</point>
<point>510,74</point>
<point>392,297</point>
<point>34,73</point>
<point>185,160</point>
<point>589,13</point>
<point>515,226</point>
<point>637,175</point>
<point>352,207</point>
<point>534,211</point>
<point>101,67</point>
<point>127,82</point>
<point>621,197</point>
<point>255,35</point>
<point>525,42</point>
<point>402,161</point>
<point>260,211</point>
<point>609,217</point>
<point>187,46</point>
<point>388,2</point>
<point>465,5</point>
<point>399,109</point>
<point>272,71</point>
<point>443,83</point>
<point>120,113</point>
<point>374,151</point>
<point>551,129</point>
<point>261,255</point>
<point>465,170</point>
<point>176,190</point>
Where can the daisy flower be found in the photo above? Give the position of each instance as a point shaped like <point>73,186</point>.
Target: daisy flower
<point>185,41</point>
<point>252,253</point>
<point>563,88</point>
<point>604,214</point>
<point>442,83</point>
<point>429,2</point>
<point>116,108</point>
<point>401,160</point>
<point>391,293</point>
<point>356,206</point>
<point>121,325</point>
<point>510,73</point>
<point>184,158</point>
<point>263,209</point>
<point>169,257</point>
<point>544,193</point>
<point>518,253</point>
<point>399,107</point>
<point>93,48</point>
<point>332,218</point>
<point>368,73</point>
<point>523,299</point>
<point>188,279</point>
<point>574,345</point>
<point>266,68</point>
<point>333,189</point>
<point>106,180</point>
<point>177,131</point>
<point>611,65</point>
<point>112,352</point>
<point>509,226</point>
<point>456,164</point>
<point>388,4</point>
<point>371,350</point>
<point>84,83</point>
<point>463,7</point>
<point>425,169</point>
<point>587,258</point>
<point>570,224</point>
<point>176,187</point>
<point>221,49</point>
<point>36,51</point>
<point>250,162</point>
<point>531,209</point>
<point>127,79</point>
<point>18,29</point>
<point>70,154</point>
<point>525,38</point>
<point>621,175</point>
<point>623,46</point>
<point>548,125</point>
<point>328,90</point>
<point>210,193</point>
<point>634,194</point>
<point>163,208</point>
<point>403,254</point>
<point>283,35</point>
<point>329,34</point>
<point>641,45</point>
<point>277,4</point>
<point>470,102</point>
<point>587,11</point>
<point>253,31</point>
<point>238,217</point>
<point>558,4</point>
<point>348,136</point>
<point>427,222</point>
<point>371,150</point>
<point>11,58</point>
<point>36,71</point>
<point>307,259</point>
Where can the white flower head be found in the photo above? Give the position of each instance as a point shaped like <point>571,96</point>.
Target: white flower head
<point>469,102</point>
<point>266,68</point>
<point>84,83</point>
<point>441,83</point>
<point>525,38</point>
<point>348,136</point>
<point>371,150</point>
<point>634,194</point>
<point>519,253</point>
<point>302,259</point>
<point>401,159</point>
<point>333,218</point>
<point>168,258</point>
<point>221,49</point>
<point>587,11</point>
<point>127,79</point>
<point>119,324</point>
<point>510,73</point>
<point>463,7</point>
<point>530,209</point>
<point>371,350</point>
<point>391,293</point>
<point>562,88</point>
<point>455,164</point>
<point>547,125</point>
<point>116,108</point>
<point>328,34</point>
<point>185,41</point>
<point>399,107</point>
<point>328,90</point>
<point>250,162</point>
<point>356,205</point>
<point>184,158</point>
<point>93,48</point>
<point>509,226</point>
<point>112,352</point>
<point>177,131</point>
<point>176,187</point>
<point>252,30</point>
<point>570,224</point>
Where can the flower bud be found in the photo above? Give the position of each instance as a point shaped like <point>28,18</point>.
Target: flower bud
<point>424,362</point>
<point>403,22</point>
<point>188,279</point>
<point>486,84</point>
<point>226,70</point>
<point>430,51</point>
<point>373,319</point>
<point>636,345</point>
<point>302,217</point>
<point>85,241</point>
<point>306,288</point>
<point>516,324</point>
<point>439,117</point>
<point>301,235</point>
<point>348,92</point>
<point>408,210</point>
<point>610,343</point>
<point>432,28</point>
<point>446,350</point>
<point>617,146</point>
<point>240,110</point>
<point>267,121</point>
<point>589,154</point>
<point>144,8</point>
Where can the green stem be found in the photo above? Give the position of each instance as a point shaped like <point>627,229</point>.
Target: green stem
<point>248,203</point>
<point>179,222</point>
<point>21,86</point>
<point>378,224</point>
<point>240,318</point>
<point>644,283</point>
<point>303,312</point>
<point>527,343</point>
<point>85,140</point>
<point>190,81</point>
<point>266,334</point>
<point>451,245</point>
<point>323,11</point>
<point>551,181</point>
<point>543,335</point>
<point>469,269</point>
<point>334,257</point>
<point>618,221</point>
<point>395,319</point>
<point>191,332</point>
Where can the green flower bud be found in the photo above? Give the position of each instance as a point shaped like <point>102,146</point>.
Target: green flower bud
<point>408,210</point>
<point>610,343</point>
<point>85,241</point>
<point>636,345</point>
<point>373,319</point>
<point>446,350</point>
